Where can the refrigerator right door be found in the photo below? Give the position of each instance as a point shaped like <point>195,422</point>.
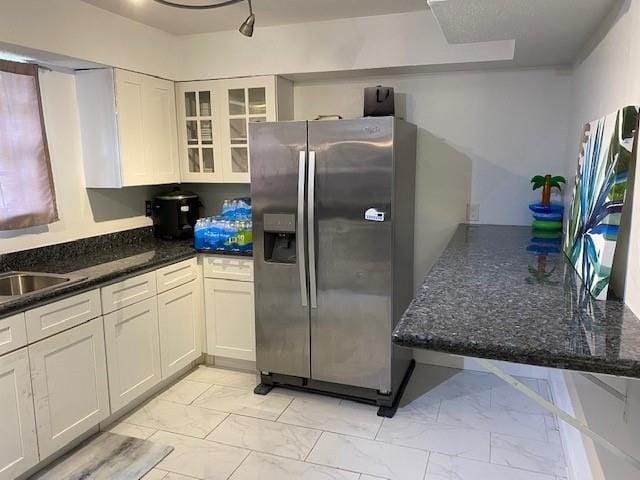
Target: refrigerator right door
<point>350,185</point>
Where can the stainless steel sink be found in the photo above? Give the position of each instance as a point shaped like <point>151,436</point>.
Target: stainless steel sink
<point>15,284</point>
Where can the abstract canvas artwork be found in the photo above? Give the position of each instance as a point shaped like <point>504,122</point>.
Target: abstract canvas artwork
<point>606,153</point>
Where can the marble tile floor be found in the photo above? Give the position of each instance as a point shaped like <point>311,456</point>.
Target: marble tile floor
<point>452,425</point>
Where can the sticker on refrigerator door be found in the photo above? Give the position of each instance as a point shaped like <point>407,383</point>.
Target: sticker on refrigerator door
<point>373,215</point>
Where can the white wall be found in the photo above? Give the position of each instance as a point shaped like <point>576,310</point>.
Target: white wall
<point>82,212</point>
<point>606,79</point>
<point>481,137</point>
<point>77,29</point>
<point>384,41</point>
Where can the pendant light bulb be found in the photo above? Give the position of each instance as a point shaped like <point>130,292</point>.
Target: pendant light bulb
<point>246,28</point>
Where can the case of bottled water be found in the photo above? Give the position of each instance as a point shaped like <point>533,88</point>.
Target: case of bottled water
<point>231,231</point>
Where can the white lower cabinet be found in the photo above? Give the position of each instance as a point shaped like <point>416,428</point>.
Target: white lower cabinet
<point>133,351</point>
<point>179,316</point>
<point>230,319</point>
<point>18,443</point>
<point>70,368</point>
<point>69,378</point>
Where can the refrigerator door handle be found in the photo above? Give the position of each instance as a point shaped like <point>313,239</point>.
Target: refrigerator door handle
<point>300,228</point>
<point>311,230</point>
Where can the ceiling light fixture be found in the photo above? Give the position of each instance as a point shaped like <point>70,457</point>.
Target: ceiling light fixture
<point>247,26</point>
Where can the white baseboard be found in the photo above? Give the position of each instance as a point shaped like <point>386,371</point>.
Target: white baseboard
<point>225,362</point>
<point>466,363</point>
<point>579,450</point>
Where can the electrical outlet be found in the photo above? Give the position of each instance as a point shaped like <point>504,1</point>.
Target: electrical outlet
<point>473,212</point>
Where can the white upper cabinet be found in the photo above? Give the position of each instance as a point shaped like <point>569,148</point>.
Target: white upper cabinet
<point>128,126</point>
<point>213,123</point>
<point>200,151</point>
<point>161,143</point>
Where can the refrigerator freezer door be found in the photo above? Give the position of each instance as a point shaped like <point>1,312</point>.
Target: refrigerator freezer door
<point>278,159</point>
<point>351,325</point>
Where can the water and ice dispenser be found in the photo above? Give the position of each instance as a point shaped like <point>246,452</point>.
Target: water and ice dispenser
<point>279,238</point>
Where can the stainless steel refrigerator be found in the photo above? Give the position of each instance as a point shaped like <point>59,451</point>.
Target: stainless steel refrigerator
<point>333,210</point>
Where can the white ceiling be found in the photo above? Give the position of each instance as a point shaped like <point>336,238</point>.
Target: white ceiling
<point>547,32</point>
<point>268,12</point>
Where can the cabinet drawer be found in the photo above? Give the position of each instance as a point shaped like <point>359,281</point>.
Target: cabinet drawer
<point>42,322</point>
<point>128,292</point>
<point>175,275</point>
<point>13,333</point>
<point>228,268</point>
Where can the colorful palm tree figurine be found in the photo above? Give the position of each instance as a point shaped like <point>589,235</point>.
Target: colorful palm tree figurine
<point>547,216</point>
<point>547,230</point>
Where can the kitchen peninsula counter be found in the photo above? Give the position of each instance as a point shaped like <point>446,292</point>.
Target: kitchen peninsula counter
<point>489,297</point>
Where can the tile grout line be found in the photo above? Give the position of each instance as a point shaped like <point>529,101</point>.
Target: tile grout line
<point>214,428</point>
<point>327,431</point>
<point>426,467</point>
<point>515,467</point>
<point>314,446</point>
<point>490,446</point>
<point>240,464</point>
<point>375,437</point>
<point>285,409</point>
<point>487,431</point>
<point>169,472</point>
<point>332,467</point>
<point>439,410</point>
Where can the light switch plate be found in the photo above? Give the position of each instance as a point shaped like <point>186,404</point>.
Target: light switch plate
<point>473,212</point>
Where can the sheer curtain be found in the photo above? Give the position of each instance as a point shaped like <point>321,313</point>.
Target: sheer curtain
<point>27,196</point>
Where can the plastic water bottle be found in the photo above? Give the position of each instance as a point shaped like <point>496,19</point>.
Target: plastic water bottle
<point>209,236</point>
<point>225,236</point>
<point>245,237</point>
<point>250,236</point>
<point>220,235</point>
<point>198,240</point>
<point>233,236</point>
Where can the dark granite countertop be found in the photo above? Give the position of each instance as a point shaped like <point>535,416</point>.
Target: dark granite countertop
<point>102,260</point>
<point>488,297</point>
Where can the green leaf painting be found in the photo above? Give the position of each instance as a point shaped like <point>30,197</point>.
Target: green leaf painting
<point>598,197</point>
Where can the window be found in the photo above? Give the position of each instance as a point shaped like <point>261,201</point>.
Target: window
<point>27,197</point>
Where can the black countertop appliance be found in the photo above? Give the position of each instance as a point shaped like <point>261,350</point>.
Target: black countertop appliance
<point>175,213</point>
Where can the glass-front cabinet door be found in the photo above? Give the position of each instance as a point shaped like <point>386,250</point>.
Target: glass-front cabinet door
<point>213,125</point>
<point>198,132</point>
<point>247,100</point>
